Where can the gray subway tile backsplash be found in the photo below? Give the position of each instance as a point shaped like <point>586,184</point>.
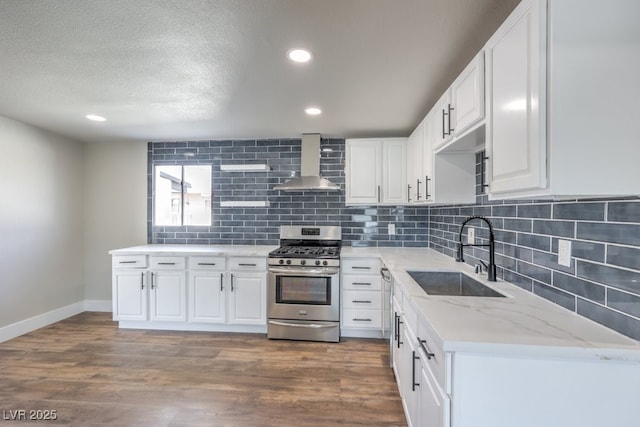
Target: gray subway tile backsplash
<point>626,234</point>
<point>624,256</point>
<point>603,281</point>
<point>625,211</point>
<point>253,225</point>
<point>580,287</point>
<point>620,322</point>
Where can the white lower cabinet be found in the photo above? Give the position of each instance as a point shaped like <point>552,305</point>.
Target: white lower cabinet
<point>433,402</point>
<point>190,292</point>
<point>156,293</point>
<point>507,386</point>
<point>129,295</point>
<point>247,298</point>
<point>364,301</point>
<point>207,301</point>
<point>168,292</point>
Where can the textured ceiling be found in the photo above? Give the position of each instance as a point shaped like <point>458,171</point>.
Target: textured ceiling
<point>199,69</point>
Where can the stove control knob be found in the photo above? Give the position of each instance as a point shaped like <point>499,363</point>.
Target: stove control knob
<point>288,261</point>
<point>281,261</point>
<point>325,263</point>
<point>303,262</point>
<point>318,262</point>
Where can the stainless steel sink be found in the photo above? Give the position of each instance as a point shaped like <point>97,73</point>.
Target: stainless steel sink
<point>451,283</point>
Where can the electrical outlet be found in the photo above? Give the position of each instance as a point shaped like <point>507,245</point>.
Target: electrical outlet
<point>392,229</point>
<point>564,252</point>
<point>471,236</point>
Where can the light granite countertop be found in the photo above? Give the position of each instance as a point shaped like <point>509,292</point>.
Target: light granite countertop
<point>520,324</point>
<point>186,250</point>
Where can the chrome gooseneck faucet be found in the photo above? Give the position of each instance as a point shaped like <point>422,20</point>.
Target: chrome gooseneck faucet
<point>491,268</point>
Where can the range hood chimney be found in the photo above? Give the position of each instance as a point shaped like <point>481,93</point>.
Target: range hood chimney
<point>309,179</point>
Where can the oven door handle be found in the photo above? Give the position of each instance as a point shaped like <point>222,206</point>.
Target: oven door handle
<point>327,271</point>
<point>301,325</point>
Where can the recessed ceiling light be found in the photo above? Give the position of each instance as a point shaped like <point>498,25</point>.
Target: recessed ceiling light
<point>313,111</point>
<point>299,55</point>
<point>95,118</point>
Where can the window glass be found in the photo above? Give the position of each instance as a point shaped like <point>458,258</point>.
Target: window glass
<point>182,195</point>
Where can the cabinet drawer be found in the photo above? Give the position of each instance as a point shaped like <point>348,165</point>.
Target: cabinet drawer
<point>216,263</point>
<point>361,283</point>
<point>361,266</point>
<point>361,318</point>
<point>362,299</point>
<point>167,262</point>
<point>129,261</point>
<point>248,263</point>
<point>432,344</point>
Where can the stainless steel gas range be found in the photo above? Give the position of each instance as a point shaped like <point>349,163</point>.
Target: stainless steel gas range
<point>304,284</point>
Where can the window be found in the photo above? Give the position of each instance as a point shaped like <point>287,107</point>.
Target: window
<point>182,195</point>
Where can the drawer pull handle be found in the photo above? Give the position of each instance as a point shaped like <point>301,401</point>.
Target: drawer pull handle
<point>361,284</point>
<point>206,263</point>
<point>423,344</point>
<point>142,281</point>
<point>355,301</point>
<point>166,263</point>
<point>151,280</point>
<point>221,282</point>
<point>356,267</point>
<point>362,320</point>
<point>414,384</point>
<point>127,262</point>
<point>247,265</point>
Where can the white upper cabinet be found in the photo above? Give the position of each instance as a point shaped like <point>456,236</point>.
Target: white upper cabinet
<point>516,146</point>
<point>460,109</point>
<point>416,164</point>
<point>441,120</point>
<point>438,178</point>
<point>562,92</point>
<point>467,96</point>
<point>375,171</point>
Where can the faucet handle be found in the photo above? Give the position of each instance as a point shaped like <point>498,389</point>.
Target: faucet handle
<point>459,253</point>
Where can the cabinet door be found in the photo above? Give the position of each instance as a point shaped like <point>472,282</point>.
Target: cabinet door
<point>467,96</point>
<point>394,173</point>
<point>396,342</point>
<point>129,295</point>
<point>247,298</point>
<point>363,172</point>
<point>441,120</point>
<point>433,403</point>
<point>207,297</point>
<point>414,163</point>
<point>168,296</point>
<point>411,376</point>
<point>430,137</point>
<point>516,84</point>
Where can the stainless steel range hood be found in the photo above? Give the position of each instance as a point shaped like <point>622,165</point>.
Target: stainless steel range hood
<point>309,179</point>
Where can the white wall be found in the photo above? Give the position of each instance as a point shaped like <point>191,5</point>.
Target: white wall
<point>115,208</point>
<point>41,221</point>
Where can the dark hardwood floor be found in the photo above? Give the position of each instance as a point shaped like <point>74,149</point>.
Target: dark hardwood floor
<point>92,373</point>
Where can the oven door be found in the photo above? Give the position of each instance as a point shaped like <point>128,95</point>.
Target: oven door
<point>304,293</point>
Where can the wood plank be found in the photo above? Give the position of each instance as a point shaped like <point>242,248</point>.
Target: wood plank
<point>93,373</point>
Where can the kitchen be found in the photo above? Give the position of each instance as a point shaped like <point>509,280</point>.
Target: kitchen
<point>104,188</point>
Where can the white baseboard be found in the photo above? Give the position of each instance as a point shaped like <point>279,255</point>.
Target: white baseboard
<point>36,322</point>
